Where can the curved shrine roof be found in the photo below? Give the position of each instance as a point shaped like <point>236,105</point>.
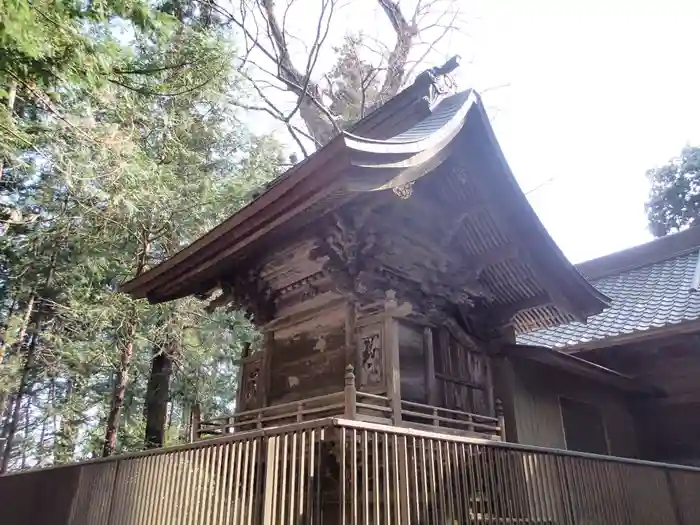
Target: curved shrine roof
<point>400,143</point>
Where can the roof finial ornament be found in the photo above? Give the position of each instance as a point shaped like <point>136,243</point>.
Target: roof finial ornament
<point>438,80</point>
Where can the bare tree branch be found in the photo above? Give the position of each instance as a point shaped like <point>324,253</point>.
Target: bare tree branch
<point>383,68</point>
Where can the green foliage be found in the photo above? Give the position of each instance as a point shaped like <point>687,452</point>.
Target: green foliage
<point>355,85</point>
<point>124,145</point>
<point>674,200</point>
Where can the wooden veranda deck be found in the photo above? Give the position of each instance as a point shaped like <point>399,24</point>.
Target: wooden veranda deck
<point>355,404</point>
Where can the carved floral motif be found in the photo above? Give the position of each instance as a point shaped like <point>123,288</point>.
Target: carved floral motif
<point>371,355</point>
<point>251,386</point>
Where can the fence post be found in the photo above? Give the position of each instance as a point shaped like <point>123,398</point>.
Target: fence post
<point>350,393</point>
<point>501,418</point>
<point>270,493</point>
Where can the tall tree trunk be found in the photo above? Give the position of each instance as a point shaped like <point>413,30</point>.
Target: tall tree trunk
<point>65,436</point>
<point>3,333</point>
<point>157,394</point>
<point>115,411</point>
<point>20,340</point>
<point>40,448</point>
<point>25,440</point>
<point>12,426</point>
<point>125,357</point>
<point>5,422</point>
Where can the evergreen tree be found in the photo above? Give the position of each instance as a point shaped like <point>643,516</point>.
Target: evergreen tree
<point>110,167</point>
<point>674,200</point>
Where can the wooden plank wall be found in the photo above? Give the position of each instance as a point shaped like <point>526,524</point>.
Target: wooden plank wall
<point>412,363</point>
<point>309,358</point>
<point>669,426</point>
<point>462,369</point>
<point>306,344</point>
<point>536,392</point>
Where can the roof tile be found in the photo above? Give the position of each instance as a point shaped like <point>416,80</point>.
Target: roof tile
<point>651,296</point>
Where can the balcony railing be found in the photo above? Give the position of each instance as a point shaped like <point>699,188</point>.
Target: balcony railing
<point>354,404</point>
<point>337,471</point>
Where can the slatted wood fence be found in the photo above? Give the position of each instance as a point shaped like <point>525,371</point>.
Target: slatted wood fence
<point>338,471</point>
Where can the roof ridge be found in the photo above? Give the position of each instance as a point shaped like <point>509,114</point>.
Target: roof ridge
<point>646,254</point>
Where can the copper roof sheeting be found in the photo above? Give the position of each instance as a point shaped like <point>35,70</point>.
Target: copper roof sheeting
<point>539,278</point>
<point>652,286</point>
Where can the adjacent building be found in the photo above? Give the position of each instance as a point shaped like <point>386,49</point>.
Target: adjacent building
<point>650,332</point>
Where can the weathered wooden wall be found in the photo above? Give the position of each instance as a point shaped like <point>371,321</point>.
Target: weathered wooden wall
<point>304,352</point>
<point>669,427</point>
<point>412,363</point>
<point>462,371</point>
<point>536,392</point>
<point>306,340</point>
<point>309,358</point>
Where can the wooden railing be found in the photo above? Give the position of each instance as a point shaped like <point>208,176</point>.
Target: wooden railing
<point>355,404</point>
<point>398,475</point>
<point>351,472</point>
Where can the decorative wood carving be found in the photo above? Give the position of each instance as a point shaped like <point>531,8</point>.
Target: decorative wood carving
<point>251,385</point>
<point>246,290</point>
<point>371,356</point>
<point>404,191</point>
<point>351,247</point>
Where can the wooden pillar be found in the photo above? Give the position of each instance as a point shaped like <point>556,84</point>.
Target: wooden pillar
<point>501,418</point>
<point>391,352</point>
<point>241,377</point>
<point>352,356</point>
<point>268,343</point>
<point>506,392</point>
<point>430,379</point>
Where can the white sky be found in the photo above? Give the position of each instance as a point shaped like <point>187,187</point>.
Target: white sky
<point>595,93</point>
<point>598,92</point>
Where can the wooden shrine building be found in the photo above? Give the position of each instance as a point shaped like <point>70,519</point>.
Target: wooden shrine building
<point>389,273</point>
<point>404,248</point>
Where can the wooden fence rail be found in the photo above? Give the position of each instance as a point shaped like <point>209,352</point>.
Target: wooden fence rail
<point>350,472</point>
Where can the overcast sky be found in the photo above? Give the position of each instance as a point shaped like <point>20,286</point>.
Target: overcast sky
<point>597,92</point>
<point>594,93</point>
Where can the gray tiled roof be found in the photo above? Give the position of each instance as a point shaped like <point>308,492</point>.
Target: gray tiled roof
<point>646,297</point>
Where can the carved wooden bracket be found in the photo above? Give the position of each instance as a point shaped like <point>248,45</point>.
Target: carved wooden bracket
<point>248,291</point>
<point>351,247</point>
